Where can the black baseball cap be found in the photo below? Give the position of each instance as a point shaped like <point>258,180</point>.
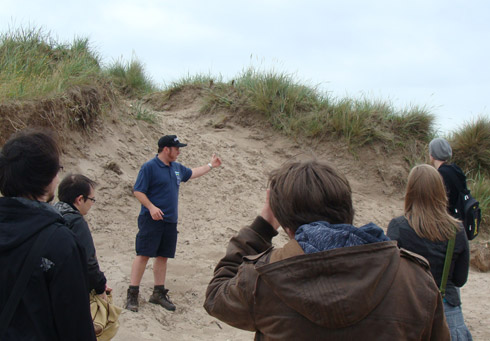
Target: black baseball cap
<point>170,141</point>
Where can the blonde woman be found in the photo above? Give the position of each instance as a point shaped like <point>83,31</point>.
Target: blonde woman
<point>425,229</point>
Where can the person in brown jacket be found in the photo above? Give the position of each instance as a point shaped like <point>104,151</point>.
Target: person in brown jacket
<point>331,281</point>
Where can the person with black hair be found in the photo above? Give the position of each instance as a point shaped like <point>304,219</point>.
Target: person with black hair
<point>76,193</point>
<point>50,300</point>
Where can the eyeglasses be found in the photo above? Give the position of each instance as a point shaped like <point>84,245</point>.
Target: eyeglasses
<point>89,198</point>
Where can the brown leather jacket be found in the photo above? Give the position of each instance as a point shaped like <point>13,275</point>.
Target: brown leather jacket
<point>369,292</point>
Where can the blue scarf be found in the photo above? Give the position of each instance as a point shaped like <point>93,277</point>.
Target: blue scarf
<point>321,236</point>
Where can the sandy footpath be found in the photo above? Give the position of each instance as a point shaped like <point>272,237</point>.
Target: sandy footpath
<point>213,208</point>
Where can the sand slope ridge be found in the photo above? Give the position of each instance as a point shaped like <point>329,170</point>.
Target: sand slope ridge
<point>213,208</point>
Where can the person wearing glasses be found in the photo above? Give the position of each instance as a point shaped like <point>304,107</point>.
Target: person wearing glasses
<point>76,193</point>
<point>52,304</point>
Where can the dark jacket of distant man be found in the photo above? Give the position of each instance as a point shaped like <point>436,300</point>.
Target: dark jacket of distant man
<point>76,222</point>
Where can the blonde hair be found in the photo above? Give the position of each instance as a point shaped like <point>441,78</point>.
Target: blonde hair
<point>426,205</point>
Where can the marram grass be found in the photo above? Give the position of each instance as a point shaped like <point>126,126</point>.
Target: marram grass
<point>471,145</point>
<point>34,65</point>
<point>130,78</point>
<point>297,109</point>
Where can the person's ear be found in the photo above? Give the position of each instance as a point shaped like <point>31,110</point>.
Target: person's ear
<point>79,199</point>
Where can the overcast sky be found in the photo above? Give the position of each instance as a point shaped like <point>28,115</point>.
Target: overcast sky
<point>427,53</point>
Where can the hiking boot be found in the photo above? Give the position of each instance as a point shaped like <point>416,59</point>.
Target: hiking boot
<point>160,296</point>
<point>132,300</point>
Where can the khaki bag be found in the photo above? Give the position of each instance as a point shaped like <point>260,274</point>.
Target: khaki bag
<point>105,316</point>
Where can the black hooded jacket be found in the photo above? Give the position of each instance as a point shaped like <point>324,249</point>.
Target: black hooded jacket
<point>449,173</point>
<point>55,304</point>
<point>74,220</point>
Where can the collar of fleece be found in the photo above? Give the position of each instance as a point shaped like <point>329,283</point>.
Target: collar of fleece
<point>322,236</point>
<point>65,208</point>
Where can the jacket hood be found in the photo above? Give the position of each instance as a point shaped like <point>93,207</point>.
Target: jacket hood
<point>323,236</point>
<point>21,218</point>
<point>65,208</point>
<point>338,287</point>
<point>455,169</point>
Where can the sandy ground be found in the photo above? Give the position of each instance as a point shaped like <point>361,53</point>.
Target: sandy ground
<point>213,208</point>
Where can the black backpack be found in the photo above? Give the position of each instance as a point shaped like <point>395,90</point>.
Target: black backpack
<point>467,209</point>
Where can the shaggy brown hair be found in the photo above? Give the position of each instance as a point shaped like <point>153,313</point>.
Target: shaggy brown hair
<point>426,205</point>
<point>309,191</point>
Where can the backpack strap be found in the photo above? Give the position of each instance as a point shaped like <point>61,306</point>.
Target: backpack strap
<point>447,265</point>
<point>32,261</point>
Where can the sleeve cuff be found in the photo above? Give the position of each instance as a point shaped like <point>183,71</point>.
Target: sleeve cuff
<point>263,228</point>
<point>101,286</point>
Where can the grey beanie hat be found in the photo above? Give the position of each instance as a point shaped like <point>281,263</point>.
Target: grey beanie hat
<point>440,149</point>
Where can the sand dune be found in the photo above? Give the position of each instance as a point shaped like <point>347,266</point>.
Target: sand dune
<point>214,207</point>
